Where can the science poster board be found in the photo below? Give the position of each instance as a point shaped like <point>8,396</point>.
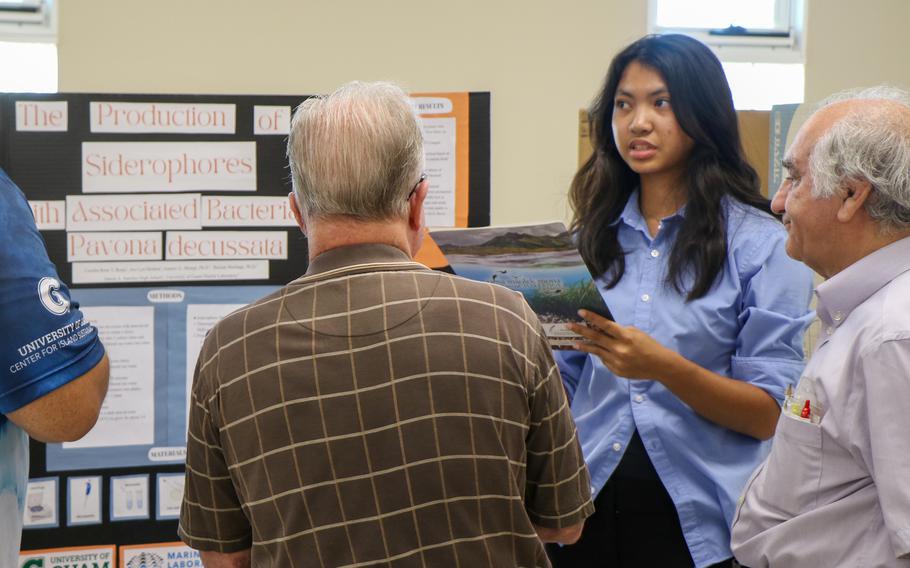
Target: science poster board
<point>164,213</point>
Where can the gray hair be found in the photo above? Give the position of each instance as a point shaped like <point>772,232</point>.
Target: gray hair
<point>357,152</point>
<point>870,144</point>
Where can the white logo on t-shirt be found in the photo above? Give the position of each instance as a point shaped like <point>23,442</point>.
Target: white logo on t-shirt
<point>50,296</point>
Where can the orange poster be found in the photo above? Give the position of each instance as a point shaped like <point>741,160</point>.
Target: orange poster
<point>445,121</point>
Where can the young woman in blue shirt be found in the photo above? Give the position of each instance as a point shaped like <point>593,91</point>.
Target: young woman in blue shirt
<point>675,401</point>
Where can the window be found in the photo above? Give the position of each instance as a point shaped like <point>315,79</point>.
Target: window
<point>753,15</point>
<point>759,43</point>
<point>759,86</point>
<point>28,67</point>
<point>28,50</point>
<point>740,30</point>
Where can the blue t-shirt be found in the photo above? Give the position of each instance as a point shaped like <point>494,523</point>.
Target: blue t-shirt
<point>749,326</point>
<point>44,344</point>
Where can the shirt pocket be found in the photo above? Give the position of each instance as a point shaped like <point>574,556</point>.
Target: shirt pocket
<point>794,468</point>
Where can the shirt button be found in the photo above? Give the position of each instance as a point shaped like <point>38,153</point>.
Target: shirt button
<point>838,316</point>
<point>645,297</point>
<point>655,253</point>
<point>639,398</point>
<point>617,446</point>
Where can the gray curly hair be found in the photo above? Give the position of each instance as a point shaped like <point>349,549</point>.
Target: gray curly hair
<point>870,144</point>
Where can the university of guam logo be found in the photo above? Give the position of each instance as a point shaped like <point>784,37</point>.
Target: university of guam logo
<point>50,296</point>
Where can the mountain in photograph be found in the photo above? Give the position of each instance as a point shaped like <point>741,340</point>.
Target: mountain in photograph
<point>514,243</point>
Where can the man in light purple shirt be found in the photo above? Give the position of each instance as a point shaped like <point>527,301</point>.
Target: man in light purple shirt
<point>835,490</point>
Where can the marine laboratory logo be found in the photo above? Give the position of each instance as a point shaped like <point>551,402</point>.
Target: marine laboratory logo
<point>146,560</point>
<point>50,296</point>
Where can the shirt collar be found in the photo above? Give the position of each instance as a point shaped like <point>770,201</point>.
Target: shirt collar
<point>358,259</point>
<point>842,293</point>
<point>631,214</point>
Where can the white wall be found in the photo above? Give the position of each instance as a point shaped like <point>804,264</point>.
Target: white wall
<point>542,61</point>
<point>853,43</point>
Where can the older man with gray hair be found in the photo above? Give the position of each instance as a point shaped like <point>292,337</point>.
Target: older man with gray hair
<point>834,491</point>
<point>373,411</point>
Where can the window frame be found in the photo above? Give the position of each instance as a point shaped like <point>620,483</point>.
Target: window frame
<point>33,21</point>
<point>750,48</point>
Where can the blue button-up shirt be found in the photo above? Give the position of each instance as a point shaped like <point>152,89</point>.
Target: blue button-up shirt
<point>749,327</point>
<point>44,344</point>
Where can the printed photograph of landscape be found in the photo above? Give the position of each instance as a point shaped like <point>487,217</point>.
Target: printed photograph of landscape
<point>540,261</point>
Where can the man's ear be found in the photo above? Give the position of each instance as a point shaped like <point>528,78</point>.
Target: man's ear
<point>415,211</point>
<point>857,192</point>
<point>295,209</point>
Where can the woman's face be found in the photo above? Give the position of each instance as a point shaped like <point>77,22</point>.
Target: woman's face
<point>645,130</point>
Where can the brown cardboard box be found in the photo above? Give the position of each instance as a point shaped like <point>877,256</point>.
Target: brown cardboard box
<point>754,131</point>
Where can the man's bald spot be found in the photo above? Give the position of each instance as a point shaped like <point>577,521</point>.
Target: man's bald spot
<point>879,110</point>
<point>894,113</point>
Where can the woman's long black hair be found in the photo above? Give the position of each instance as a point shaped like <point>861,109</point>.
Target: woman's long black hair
<point>703,106</point>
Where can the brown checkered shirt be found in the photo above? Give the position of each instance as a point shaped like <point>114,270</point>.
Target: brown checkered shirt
<point>376,412</point>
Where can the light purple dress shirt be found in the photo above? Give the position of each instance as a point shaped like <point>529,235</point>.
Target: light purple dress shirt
<point>837,493</point>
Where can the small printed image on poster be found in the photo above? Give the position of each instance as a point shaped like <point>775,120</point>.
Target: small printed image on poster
<point>165,555</point>
<point>41,504</point>
<point>129,497</point>
<point>83,498</point>
<point>170,495</point>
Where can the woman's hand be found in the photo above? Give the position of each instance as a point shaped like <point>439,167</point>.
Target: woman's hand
<point>627,351</point>
<point>633,354</point>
